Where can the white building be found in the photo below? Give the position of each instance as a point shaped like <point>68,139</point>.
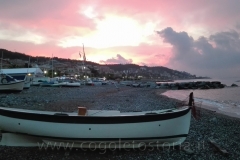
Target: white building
<point>34,72</point>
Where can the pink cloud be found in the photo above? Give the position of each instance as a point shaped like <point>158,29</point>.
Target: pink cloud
<point>117,60</point>
<point>51,21</point>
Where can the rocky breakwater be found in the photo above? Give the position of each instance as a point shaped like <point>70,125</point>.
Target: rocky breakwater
<point>192,85</point>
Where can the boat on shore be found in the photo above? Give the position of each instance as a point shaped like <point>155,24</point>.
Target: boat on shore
<point>27,85</point>
<point>46,84</point>
<point>93,128</point>
<point>22,77</point>
<point>70,84</point>
<point>36,81</point>
<point>9,84</point>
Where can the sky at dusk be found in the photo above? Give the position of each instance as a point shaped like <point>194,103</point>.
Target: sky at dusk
<point>197,36</point>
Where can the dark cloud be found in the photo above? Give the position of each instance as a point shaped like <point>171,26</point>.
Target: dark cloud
<point>219,52</point>
<point>226,40</point>
<point>181,40</point>
<point>117,60</point>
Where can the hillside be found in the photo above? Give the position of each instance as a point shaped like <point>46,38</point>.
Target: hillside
<point>129,68</point>
<point>16,55</point>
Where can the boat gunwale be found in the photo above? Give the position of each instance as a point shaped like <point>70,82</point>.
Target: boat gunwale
<point>118,119</point>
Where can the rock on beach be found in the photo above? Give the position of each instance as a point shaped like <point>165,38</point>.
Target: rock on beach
<point>225,130</point>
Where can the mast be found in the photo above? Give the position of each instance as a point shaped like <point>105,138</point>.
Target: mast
<point>1,62</point>
<point>28,63</point>
<point>27,70</point>
<point>52,65</point>
<point>84,59</point>
<point>84,56</point>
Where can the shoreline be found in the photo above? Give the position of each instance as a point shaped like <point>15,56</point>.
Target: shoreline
<point>223,113</point>
<point>210,125</point>
<point>211,108</point>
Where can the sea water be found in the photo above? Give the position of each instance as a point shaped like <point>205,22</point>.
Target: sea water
<point>225,100</point>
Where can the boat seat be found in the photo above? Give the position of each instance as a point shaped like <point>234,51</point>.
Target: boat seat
<point>82,111</point>
<point>61,114</point>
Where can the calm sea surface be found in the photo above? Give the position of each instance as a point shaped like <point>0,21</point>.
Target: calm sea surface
<point>226,99</point>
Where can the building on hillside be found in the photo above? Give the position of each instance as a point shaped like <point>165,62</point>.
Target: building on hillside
<point>105,69</point>
<point>18,62</point>
<point>5,63</point>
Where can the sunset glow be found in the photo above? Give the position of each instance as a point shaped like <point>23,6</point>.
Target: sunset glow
<point>184,36</point>
<point>111,32</point>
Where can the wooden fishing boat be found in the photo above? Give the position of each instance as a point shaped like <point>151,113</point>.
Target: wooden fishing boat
<point>93,128</point>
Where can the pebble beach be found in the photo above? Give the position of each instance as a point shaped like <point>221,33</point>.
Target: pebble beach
<point>223,129</point>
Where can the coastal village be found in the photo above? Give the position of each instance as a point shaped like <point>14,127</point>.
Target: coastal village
<point>53,70</point>
<point>81,69</point>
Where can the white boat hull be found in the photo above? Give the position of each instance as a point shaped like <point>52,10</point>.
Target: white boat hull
<point>26,85</point>
<point>12,86</point>
<point>69,84</point>
<point>57,85</point>
<point>99,129</point>
<point>35,83</point>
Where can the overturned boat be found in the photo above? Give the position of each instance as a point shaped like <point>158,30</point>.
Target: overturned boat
<point>95,128</point>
